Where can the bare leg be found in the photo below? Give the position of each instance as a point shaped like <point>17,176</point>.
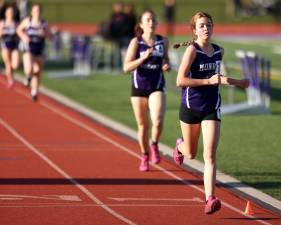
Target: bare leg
<point>140,107</point>
<point>36,68</point>
<point>6,55</point>
<point>27,67</point>
<point>211,133</point>
<point>15,60</point>
<point>157,103</point>
<point>190,134</point>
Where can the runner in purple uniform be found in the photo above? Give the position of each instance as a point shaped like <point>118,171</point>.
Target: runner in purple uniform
<point>9,44</point>
<point>147,58</point>
<point>200,78</point>
<point>33,31</point>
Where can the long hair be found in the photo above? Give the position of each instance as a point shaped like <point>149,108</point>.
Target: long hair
<point>193,20</point>
<point>138,29</point>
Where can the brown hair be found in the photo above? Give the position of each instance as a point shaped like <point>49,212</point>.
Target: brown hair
<point>193,20</point>
<point>138,29</point>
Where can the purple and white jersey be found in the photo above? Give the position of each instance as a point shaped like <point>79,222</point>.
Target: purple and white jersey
<point>203,98</point>
<point>36,33</point>
<point>36,37</point>
<point>149,75</point>
<point>9,37</point>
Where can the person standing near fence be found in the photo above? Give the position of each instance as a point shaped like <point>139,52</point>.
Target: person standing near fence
<point>9,44</point>
<point>147,58</point>
<point>23,6</point>
<point>117,22</point>
<point>33,31</point>
<point>169,16</point>
<point>200,78</point>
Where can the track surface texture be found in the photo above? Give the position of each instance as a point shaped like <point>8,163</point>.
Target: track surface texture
<point>61,167</point>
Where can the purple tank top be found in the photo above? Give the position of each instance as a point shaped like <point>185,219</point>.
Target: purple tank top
<point>203,98</point>
<point>149,75</point>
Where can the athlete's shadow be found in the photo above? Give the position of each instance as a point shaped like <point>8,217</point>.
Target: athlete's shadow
<point>255,218</point>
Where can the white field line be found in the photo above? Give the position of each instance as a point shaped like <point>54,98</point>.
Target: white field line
<point>63,173</point>
<point>158,199</point>
<point>95,205</point>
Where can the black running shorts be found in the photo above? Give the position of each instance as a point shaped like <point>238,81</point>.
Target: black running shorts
<point>136,92</point>
<point>190,116</point>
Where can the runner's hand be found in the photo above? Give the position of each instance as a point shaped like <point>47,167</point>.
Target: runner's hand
<point>166,67</point>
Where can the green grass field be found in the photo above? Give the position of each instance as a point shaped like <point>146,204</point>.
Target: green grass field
<point>250,145</point>
<point>99,10</point>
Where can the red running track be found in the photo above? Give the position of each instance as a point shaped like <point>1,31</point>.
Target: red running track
<point>60,167</point>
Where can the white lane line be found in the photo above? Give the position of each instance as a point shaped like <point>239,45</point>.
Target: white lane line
<point>130,152</point>
<point>158,199</point>
<point>63,173</point>
<point>74,198</point>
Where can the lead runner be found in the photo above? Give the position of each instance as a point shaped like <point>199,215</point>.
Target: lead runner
<point>199,77</point>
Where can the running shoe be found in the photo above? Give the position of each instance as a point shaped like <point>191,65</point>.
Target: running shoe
<point>155,155</point>
<point>213,204</point>
<point>10,84</point>
<point>177,155</point>
<point>144,166</point>
<point>27,81</point>
<point>34,97</point>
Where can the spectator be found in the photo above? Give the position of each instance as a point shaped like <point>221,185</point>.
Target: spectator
<point>56,44</point>
<point>117,23</point>
<point>2,9</point>
<point>23,6</point>
<point>131,20</point>
<point>169,15</point>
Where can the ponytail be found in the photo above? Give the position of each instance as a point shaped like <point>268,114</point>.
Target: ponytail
<point>185,43</point>
<point>138,30</point>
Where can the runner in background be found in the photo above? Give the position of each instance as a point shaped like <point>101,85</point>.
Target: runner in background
<point>199,77</point>
<point>9,43</point>
<point>147,58</point>
<point>33,31</point>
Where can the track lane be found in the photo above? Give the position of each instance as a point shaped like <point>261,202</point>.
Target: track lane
<point>31,194</point>
<point>120,179</point>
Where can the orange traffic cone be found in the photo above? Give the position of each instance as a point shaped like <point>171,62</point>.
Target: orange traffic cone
<point>249,210</point>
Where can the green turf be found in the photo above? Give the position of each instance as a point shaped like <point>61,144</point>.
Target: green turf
<point>99,10</point>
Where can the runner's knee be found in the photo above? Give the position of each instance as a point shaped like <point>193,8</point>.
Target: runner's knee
<point>209,156</point>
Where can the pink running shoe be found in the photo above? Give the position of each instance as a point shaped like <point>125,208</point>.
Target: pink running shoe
<point>10,84</point>
<point>177,155</point>
<point>144,163</point>
<point>155,155</point>
<point>213,204</point>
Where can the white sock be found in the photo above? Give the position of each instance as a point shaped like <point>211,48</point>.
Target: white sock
<point>33,91</point>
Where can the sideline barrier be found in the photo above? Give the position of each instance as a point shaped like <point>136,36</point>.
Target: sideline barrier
<point>106,55</point>
<point>257,69</point>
